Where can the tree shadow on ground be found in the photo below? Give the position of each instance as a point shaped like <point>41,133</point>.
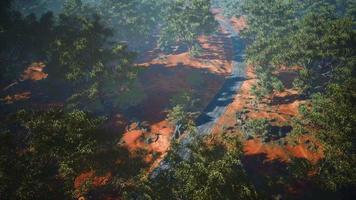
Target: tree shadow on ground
<point>268,176</point>
<point>160,83</point>
<point>286,99</point>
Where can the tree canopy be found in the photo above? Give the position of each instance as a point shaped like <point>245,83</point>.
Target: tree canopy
<point>318,36</point>
<point>42,153</point>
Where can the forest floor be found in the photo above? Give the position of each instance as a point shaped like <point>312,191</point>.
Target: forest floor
<point>268,159</point>
<point>34,72</point>
<point>280,109</point>
<point>166,75</point>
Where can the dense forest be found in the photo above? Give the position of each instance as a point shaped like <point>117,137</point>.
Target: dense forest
<point>84,54</point>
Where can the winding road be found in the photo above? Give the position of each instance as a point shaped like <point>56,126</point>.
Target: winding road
<point>217,107</point>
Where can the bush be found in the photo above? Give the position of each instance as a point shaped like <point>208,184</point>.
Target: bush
<point>257,127</point>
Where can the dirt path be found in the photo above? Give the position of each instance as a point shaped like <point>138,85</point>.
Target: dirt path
<point>226,94</point>
<point>217,107</point>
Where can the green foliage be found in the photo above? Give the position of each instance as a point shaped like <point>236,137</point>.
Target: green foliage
<point>137,22</point>
<point>196,50</point>
<point>186,100</point>
<point>184,112</point>
<point>134,21</point>
<point>213,172</point>
<point>85,66</point>
<point>257,92</point>
<point>182,119</point>
<point>23,41</point>
<point>184,21</point>
<point>277,84</point>
<point>45,150</point>
<point>266,83</point>
<point>320,37</point>
<point>230,7</point>
<point>101,75</point>
<point>334,116</point>
<point>257,127</point>
<point>331,118</point>
<point>312,34</point>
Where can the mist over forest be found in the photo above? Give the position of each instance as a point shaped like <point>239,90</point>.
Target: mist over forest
<point>177,99</point>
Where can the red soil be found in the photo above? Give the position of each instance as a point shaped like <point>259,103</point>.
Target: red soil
<point>281,153</point>
<point>165,76</point>
<point>214,59</point>
<point>34,72</point>
<point>256,147</point>
<point>92,178</point>
<point>239,24</point>
<point>159,134</point>
<point>282,108</point>
<point>155,143</point>
<point>9,99</point>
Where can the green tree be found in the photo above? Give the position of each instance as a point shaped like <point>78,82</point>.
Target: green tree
<point>257,128</point>
<point>86,68</point>
<point>184,21</point>
<point>42,153</point>
<point>101,74</point>
<point>183,120</point>
<point>213,172</point>
<point>134,21</point>
<point>230,7</point>
<point>331,118</point>
<point>319,36</point>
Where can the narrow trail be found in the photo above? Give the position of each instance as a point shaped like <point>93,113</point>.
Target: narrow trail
<point>217,107</point>
<point>228,91</point>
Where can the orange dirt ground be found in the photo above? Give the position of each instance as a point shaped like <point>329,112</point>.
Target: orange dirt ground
<point>282,108</point>
<point>239,24</point>
<point>34,73</point>
<point>166,75</point>
<point>9,99</point>
<point>92,178</point>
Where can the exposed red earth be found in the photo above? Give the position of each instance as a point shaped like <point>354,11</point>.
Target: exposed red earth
<point>89,178</point>
<point>166,75</point>
<point>33,72</point>
<point>269,159</point>
<point>281,108</point>
<point>265,159</point>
